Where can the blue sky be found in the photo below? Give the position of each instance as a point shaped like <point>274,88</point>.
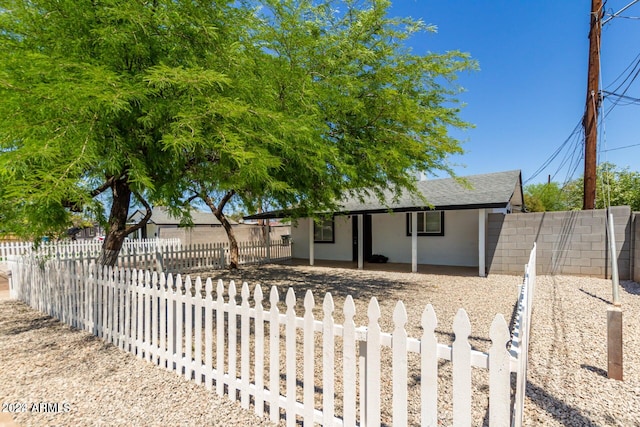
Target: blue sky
<point>530,92</point>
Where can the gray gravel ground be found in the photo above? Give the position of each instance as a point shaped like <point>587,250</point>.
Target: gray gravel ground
<point>44,361</point>
<point>567,382</point>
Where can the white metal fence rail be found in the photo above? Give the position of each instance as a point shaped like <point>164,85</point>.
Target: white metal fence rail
<point>183,327</point>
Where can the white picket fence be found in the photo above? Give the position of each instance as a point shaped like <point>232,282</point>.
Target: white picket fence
<point>162,255</point>
<point>176,260</point>
<point>82,249</point>
<point>182,326</point>
<point>521,334</point>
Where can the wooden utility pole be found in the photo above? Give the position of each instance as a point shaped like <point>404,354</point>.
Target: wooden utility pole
<point>593,103</point>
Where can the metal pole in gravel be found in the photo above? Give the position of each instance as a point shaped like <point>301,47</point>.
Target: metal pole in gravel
<point>614,314</point>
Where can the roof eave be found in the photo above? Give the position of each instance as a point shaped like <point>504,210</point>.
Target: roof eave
<point>495,205</point>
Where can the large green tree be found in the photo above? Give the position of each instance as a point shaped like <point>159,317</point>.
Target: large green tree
<point>340,105</point>
<point>92,92</point>
<point>545,197</point>
<point>614,187</point>
<point>165,101</point>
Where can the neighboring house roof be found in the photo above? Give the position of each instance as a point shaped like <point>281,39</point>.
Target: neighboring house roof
<point>160,216</point>
<point>491,190</point>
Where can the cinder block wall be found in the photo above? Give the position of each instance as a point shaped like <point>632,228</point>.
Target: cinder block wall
<point>572,242</point>
<point>203,235</point>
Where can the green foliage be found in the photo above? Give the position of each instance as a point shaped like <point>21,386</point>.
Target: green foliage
<point>614,187</point>
<point>544,197</point>
<point>292,102</point>
<point>91,89</point>
<point>338,105</point>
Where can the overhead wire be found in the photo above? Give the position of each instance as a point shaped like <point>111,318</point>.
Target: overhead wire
<point>556,153</point>
<point>575,150</point>
<point>621,148</point>
<point>629,100</point>
<point>633,63</point>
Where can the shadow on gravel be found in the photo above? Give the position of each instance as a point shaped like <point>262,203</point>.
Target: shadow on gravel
<point>365,285</point>
<point>595,370</point>
<point>630,287</point>
<point>565,414</point>
<point>17,327</point>
<point>595,296</point>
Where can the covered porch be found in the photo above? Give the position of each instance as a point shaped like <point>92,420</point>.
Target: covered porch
<point>445,224</point>
<point>394,267</point>
<point>355,238</point>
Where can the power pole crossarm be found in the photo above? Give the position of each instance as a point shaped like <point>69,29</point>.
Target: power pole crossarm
<point>592,105</point>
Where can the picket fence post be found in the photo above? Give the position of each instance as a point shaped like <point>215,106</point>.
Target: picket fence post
<point>429,368</point>
<point>274,356</point>
<point>291,339</point>
<point>208,338</point>
<point>309,359</point>
<point>199,305</point>
<point>349,364</point>
<point>461,370</point>
<point>220,328</point>
<point>244,347</point>
<point>400,365</point>
<point>259,350</point>
<point>328,361</point>
<point>499,373</point>
<point>233,343</point>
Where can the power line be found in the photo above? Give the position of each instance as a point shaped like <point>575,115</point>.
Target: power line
<point>620,148</point>
<point>556,153</point>
<point>628,17</point>
<point>615,15</point>
<point>634,63</point>
<point>631,100</point>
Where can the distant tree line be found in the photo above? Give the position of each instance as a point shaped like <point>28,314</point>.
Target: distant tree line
<point>615,187</point>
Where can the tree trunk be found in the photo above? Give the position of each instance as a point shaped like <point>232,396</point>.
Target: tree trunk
<point>233,243</point>
<point>218,212</point>
<point>117,229</point>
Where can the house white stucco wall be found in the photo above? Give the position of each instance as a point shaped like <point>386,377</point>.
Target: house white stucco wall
<point>340,250</point>
<point>458,246</point>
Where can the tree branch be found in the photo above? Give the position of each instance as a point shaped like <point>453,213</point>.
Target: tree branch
<point>225,199</point>
<point>144,220</point>
<point>102,188</point>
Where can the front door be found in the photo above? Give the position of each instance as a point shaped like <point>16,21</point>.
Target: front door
<point>368,250</point>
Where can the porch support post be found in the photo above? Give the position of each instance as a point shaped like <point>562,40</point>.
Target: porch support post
<point>482,225</point>
<point>311,246</point>
<point>414,242</point>
<point>360,242</point>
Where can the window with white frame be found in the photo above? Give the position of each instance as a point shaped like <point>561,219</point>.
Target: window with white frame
<point>323,231</point>
<point>430,223</point>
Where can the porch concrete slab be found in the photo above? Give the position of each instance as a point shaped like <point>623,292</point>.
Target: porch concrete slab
<point>395,267</point>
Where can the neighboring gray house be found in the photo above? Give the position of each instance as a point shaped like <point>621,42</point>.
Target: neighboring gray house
<point>452,231</point>
<point>161,220</point>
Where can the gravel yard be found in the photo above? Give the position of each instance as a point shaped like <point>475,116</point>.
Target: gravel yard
<point>44,361</point>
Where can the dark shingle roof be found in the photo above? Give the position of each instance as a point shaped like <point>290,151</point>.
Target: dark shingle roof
<point>491,190</point>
